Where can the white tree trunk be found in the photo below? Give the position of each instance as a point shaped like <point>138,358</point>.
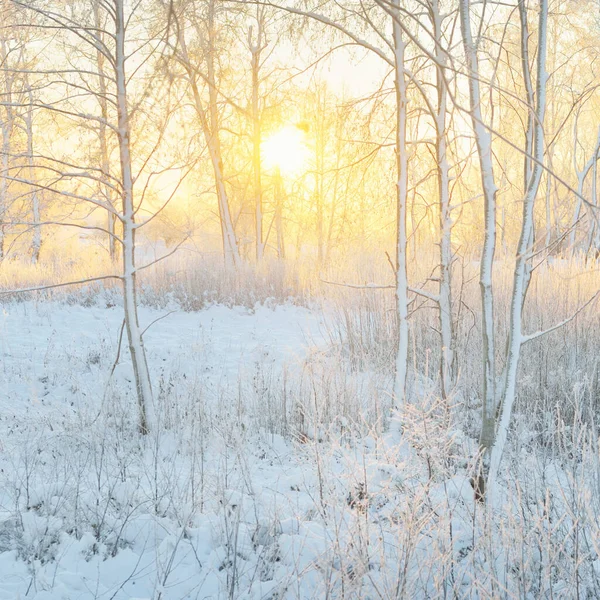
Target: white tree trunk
<point>319,169</point>
<point>401,366</point>
<point>279,197</point>
<point>6,134</point>
<point>136,344</point>
<point>523,255</point>
<point>7,129</point>
<point>445,285</point>
<point>36,243</point>
<point>102,135</point>
<point>484,150</point>
<point>255,50</point>
<point>209,120</point>
<point>594,214</point>
<point>530,131</point>
<point>230,247</point>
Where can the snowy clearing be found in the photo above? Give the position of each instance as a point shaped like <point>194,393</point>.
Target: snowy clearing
<point>253,486</point>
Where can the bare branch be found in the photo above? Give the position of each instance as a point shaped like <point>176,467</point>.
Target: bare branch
<point>537,334</point>
<point>58,285</point>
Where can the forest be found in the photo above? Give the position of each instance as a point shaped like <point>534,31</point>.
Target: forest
<point>299,299</point>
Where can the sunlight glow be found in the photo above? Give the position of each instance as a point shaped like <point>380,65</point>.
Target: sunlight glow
<point>286,150</point>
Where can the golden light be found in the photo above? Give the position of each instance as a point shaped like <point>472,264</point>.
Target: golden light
<point>285,150</point>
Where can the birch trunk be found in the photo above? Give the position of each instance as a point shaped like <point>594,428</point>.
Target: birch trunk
<point>255,50</point>
<point>36,243</point>
<point>530,131</point>
<point>401,366</point>
<point>136,344</point>
<point>593,233</point>
<point>548,237</point>
<point>278,192</point>
<point>319,171</point>
<point>209,120</point>
<point>527,166</point>
<point>523,255</point>
<point>230,247</point>
<point>7,130</point>
<point>102,135</point>
<point>445,286</point>
<point>6,134</point>
<point>489,188</point>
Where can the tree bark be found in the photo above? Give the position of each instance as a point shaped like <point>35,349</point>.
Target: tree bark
<point>489,188</point>
<point>255,50</point>
<point>102,135</point>
<point>36,243</point>
<point>7,130</point>
<point>230,247</point>
<point>445,220</point>
<point>523,254</point>
<point>136,343</point>
<point>209,120</point>
<point>400,87</point>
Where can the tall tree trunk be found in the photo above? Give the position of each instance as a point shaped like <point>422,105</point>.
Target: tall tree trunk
<point>230,247</point>
<point>255,50</point>
<point>102,135</point>
<point>489,188</point>
<point>36,243</point>
<point>6,134</point>
<point>530,131</point>
<point>401,365</point>
<point>319,170</point>
<point>7,130</point>
<point>445,224</point>
<point>136,343</point>
<point>278,193</point>
<point>527,171</point>
<point>209,120</point>
<point>523,254</point>
<point>593,233</point>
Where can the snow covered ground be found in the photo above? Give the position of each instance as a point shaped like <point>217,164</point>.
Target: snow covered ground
<point>55,376</point>
<point>263,479</point>
<point>54,355</point>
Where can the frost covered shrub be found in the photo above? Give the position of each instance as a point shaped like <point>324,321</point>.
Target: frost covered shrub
<point>554,368</point>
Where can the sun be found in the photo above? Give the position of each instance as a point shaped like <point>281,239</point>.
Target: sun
<point>285,150</point>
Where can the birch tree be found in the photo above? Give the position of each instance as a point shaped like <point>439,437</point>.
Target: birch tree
<point>106,30</point>
<point>7,124</point>
<point>489,189</point>
<point>444,211</point>
<point>400,87</point>
<point>392,17</point>
<point>502,392</point>
<point>393,54</point>
<point>103,136</point>
<point>198,21</point>
<point>36,243</point>
<point>257,43</point>
<point>525,246</point>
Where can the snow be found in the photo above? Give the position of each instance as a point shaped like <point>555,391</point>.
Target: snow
<point>225,498</point>
<point>56,361</point>
<point>43,345</point>
<point>90,510</point>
